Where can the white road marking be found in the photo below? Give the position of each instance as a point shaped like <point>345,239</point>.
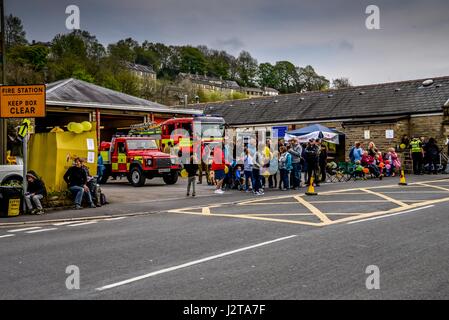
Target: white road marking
<point>118,218</point>
<point>391,215</point>
<point>42,230</point>
<point>188,264</point>
<point>7,235</point>
<point>24,229</point>
<point>81,224</point>
<point>64,223</point>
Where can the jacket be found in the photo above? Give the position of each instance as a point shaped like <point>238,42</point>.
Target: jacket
<point>36,187</point>
<point>191,169</point>
<point>75,177</point>
<point>296,152</point>
<point>312,153</point>
<point>285,161</point>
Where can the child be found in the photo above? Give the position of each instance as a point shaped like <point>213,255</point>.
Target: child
<point>191,168</point>
<point>358,170</point>
<point>395,163</point>
<point>239,180</point>
<point>248,169</point>
<point>285,166</point>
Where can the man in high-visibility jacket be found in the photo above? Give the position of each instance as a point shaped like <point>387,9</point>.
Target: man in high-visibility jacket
<point>417,154</point>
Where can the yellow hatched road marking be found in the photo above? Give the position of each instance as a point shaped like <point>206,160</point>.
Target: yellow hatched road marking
<point>241,216</point>
<point>313,209</point>
<point>399,203</point>
<point>436,187</point>
<point>323,216</point>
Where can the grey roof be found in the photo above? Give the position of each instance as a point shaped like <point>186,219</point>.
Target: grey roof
<point>211,81</point>
<point>253,89</point>
<point>138,67</point>
<point>78,93</point>
<point>387,99</point>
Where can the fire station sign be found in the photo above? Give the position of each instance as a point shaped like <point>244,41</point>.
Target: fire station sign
<point>27,101</point>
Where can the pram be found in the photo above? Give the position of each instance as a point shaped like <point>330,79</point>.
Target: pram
<point>236,180</point>
<point>335,173</point>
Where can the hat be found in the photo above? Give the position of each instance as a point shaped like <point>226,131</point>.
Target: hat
<point>31,174</point>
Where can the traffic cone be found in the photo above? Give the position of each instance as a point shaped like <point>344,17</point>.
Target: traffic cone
<point>402,182</point>
<point>311,189</point>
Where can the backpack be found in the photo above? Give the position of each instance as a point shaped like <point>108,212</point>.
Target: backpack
<point>351,154</point>
<point>103,200</point>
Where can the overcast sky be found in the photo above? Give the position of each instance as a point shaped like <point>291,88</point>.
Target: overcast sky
<point>329,35</point>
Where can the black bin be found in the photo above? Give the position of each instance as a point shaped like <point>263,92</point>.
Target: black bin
<point>11,201</point>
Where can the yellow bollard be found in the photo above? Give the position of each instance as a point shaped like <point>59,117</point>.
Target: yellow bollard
<point>402,182</point>
<point>311,188</point>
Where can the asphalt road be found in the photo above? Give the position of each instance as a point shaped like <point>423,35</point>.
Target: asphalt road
<point>277,247</point>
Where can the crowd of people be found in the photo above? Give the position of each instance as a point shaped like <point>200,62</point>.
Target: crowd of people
<point>291,165</point>
<point>287,165</point>
<point>425,153</point>
<point>372,161</point>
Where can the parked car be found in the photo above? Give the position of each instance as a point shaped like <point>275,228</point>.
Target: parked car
<point>137,158</point>
<point>10,174</point>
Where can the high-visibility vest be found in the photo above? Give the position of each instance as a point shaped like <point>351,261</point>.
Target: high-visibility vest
<point>416,146</point>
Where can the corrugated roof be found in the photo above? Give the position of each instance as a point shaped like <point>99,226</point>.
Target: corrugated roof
<point>74,92</point>
<point>387,99</point>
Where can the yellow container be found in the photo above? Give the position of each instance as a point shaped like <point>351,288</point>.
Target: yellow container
<point>51,154</point>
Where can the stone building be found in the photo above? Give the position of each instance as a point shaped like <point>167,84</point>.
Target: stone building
<point>382,113</point>
<point>210,83</point>
<point>141,71</point>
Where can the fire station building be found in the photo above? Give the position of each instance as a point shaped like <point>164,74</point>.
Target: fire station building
<point>74,100</point>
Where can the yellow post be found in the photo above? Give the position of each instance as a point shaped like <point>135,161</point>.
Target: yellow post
<point>402,181</point>
<point>311,189</point>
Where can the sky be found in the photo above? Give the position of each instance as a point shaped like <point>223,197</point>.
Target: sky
<point>332,36</point>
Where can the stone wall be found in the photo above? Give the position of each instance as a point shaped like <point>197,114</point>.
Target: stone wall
<point>427,126</point>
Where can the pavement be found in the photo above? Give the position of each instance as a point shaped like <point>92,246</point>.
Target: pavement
<point>283,245</point>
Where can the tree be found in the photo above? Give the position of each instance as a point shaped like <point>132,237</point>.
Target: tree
<point>147,57</point>
<point>77,54</point>
<point>219,64</point>
<point>247,69</point>
<point>14,33</point>
<point>192,60</point>
<point>309,80</point>
<point>128,83</point>
<point>34,56</point>
<point>341,83</point>
<point>124,50</point>
<point>286,75</point>
<point>266,76</point>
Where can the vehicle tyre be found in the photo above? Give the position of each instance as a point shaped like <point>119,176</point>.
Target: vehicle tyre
<point>16,179</point>
<point>171,178</point>
<point>137,177</point>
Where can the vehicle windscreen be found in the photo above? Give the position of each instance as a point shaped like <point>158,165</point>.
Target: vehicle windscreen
<point>141,144</point>
<point>209,129</point>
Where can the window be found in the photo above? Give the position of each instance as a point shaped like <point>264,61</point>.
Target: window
<point>121,147</point>
<point>141,144</point>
